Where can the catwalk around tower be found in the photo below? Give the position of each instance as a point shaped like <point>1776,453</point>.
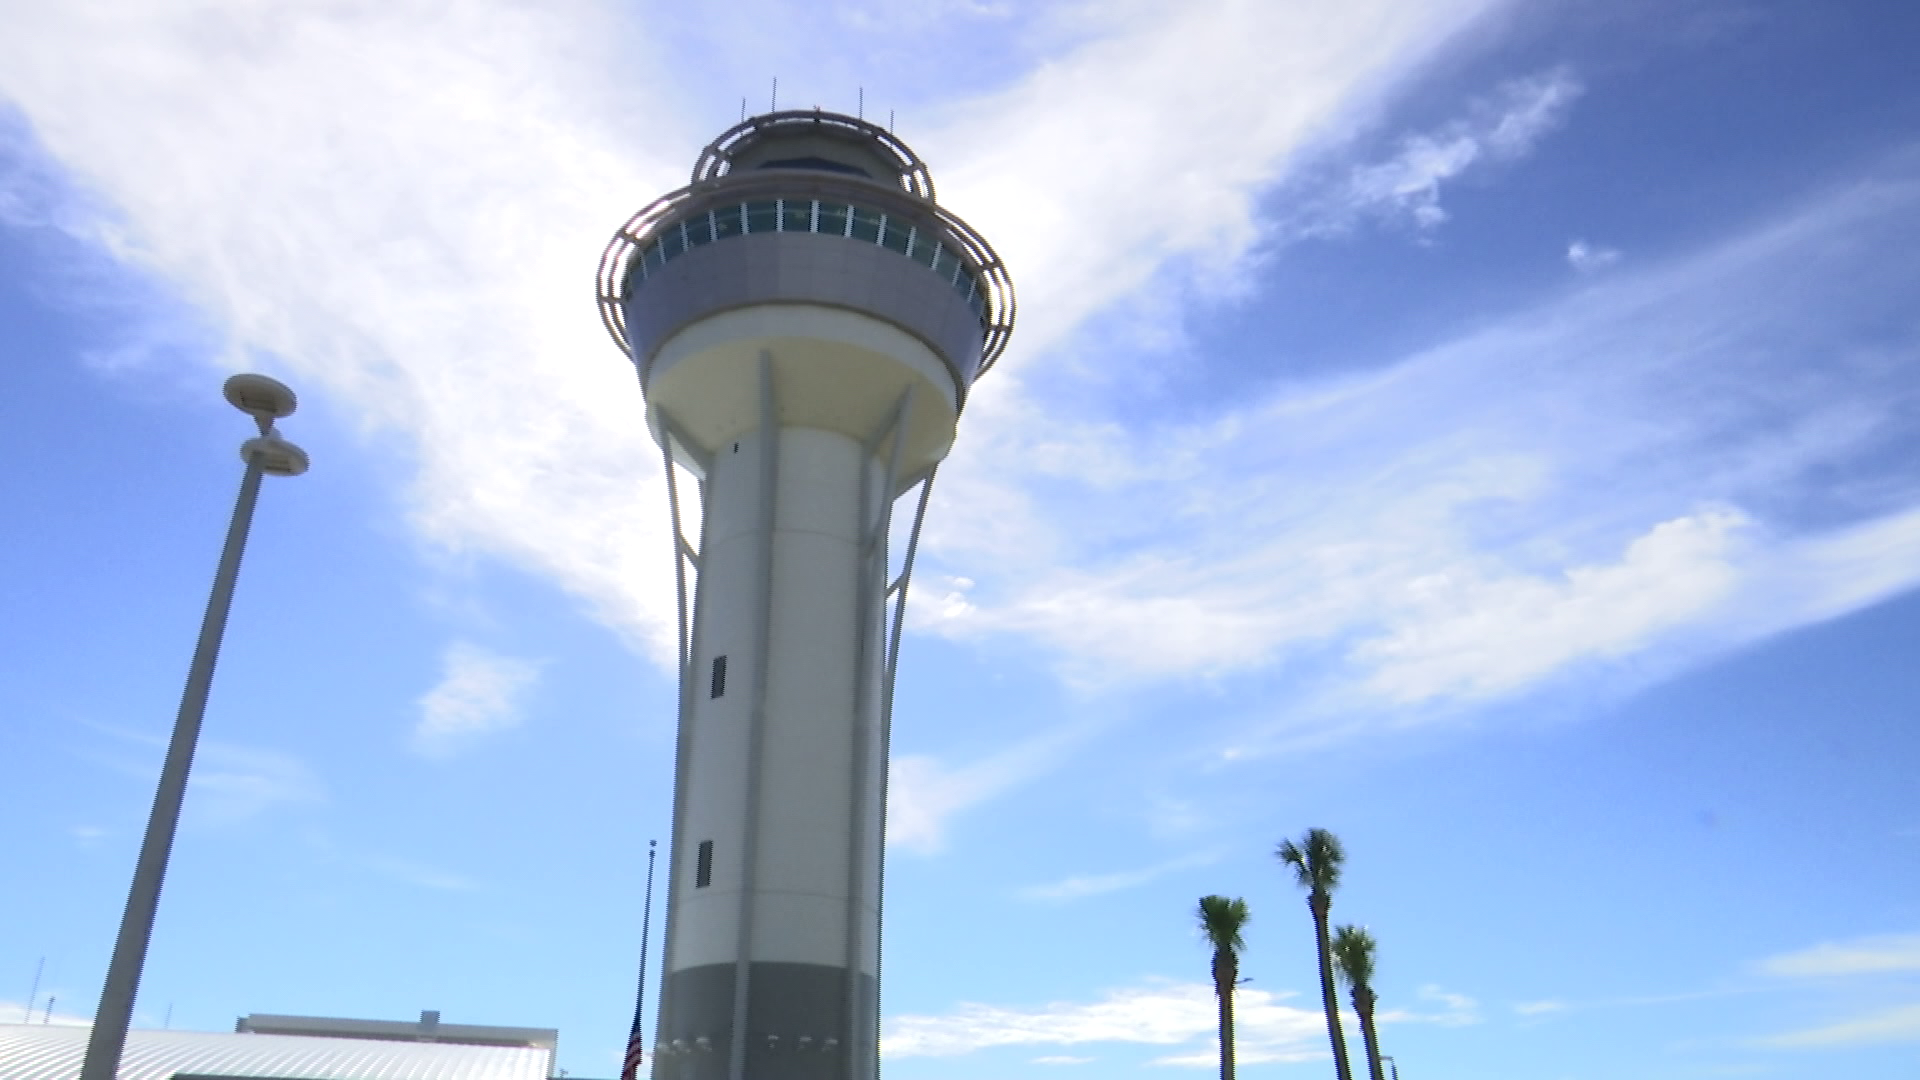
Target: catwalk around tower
<point>806,322</point>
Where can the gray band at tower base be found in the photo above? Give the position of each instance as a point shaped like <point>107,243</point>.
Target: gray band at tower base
<point>785,1003</point>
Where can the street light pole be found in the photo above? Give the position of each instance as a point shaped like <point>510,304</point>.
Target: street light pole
<point>1388,1058</point>
<point>266,400</point>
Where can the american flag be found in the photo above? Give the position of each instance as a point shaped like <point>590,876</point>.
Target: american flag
<point>635,1046</point>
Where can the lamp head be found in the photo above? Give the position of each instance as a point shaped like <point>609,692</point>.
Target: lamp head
<point>266,400</point>
<point>278,457</point>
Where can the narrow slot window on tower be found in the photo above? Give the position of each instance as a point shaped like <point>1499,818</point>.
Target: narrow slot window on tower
<point>719,688</point>
<point>703,866</point>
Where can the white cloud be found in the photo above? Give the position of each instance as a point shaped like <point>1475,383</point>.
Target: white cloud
<point>1456,1010</point>
<point>1078,886</point>
<point>1135,171</point>
<point>1587,258</point>
<point>1539,1008</point>
<point>398,204</point>
<point>1478,635</point>
<point>1582,482</point>
<point>1860,956</point>
<point>1898,1024</point>
<point>236,782</point>
<point>1502,128</point>
<point>1062,1059</point>
<point>1160,1014</point>
<point>923,795</point>
<point>479,692</point>
<point>228,783</point>
<point>13,1012</point>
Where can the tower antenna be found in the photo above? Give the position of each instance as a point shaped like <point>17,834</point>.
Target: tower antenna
<point>773,103</point>
<point>860,112</point>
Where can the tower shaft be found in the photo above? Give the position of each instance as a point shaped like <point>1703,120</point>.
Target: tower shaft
<point>775,890</point>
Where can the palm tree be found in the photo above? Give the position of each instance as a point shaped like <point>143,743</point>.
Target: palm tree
<point>1353,950</point>
<point>1221,920</point>
<point>1316,863</point>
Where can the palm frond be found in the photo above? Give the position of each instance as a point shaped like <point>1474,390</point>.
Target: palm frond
<point>1222,920</point>
<point>1353,951</point>
<point>1315,860</point>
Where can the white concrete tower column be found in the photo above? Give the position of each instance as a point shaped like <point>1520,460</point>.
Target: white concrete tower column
<point>806,322</point>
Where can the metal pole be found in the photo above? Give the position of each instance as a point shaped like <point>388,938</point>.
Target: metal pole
<point>108,1039</point>
<point>630,1069</point>
<point>34,994</point>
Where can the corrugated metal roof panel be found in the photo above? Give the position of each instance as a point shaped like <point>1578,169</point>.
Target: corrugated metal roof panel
<point>48,1052</point>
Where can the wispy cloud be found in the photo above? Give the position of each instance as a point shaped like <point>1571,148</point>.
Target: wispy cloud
<point>1539,1008</point>
<point>1898,1024</point>
<point>1078,886</point>
<point>1502,128</point>
<point>1163,1013</point>
<point>447,177</point>
<point>1486,634</point>
<point>479,691</point>
<point>240,782</point>
<point>1637,463</point>
<point>1627,466</point>
<point>1455,1009</point>
<point>1062,1059</point>
<point>1587,258</point>
<point>1859,956</point>
<point>15,1012</point>
<point>923,794</point>
<point>229,783</point>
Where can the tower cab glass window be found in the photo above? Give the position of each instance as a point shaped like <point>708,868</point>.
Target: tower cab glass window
<point>859,223</point>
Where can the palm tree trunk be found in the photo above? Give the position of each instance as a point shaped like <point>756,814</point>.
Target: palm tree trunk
<point>1226,972</point>
<point>1363,999</point>
<point>1319,902</point>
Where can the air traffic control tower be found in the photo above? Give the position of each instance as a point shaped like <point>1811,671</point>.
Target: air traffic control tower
<point>806,322</point>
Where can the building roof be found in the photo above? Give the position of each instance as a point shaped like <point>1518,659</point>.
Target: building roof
<point>428,1029</point>
<point>54,1052</point>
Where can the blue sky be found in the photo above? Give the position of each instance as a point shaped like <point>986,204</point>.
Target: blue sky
<point>1486,430</point>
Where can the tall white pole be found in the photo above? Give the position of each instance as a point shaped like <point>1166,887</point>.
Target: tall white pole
<point>108,1039</point>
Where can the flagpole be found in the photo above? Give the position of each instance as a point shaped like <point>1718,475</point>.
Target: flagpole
<point>636,1046</point>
